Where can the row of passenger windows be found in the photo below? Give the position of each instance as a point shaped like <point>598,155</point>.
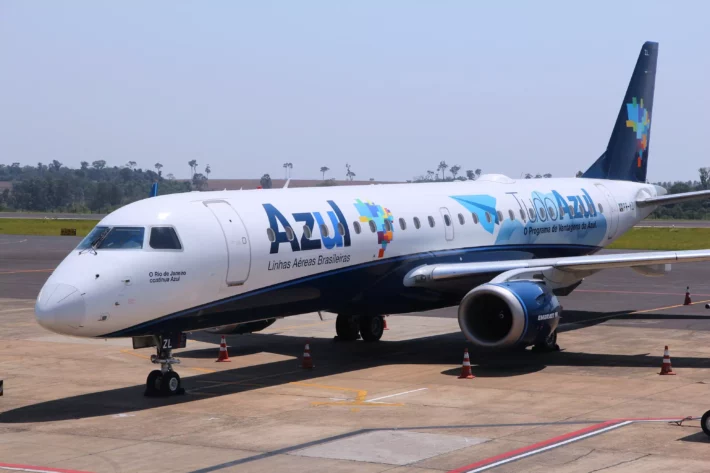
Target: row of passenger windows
<point>325,232</point>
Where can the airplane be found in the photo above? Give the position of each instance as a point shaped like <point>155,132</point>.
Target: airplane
<point>502,250</point>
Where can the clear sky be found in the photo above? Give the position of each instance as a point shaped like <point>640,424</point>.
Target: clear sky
<point>390,87</point>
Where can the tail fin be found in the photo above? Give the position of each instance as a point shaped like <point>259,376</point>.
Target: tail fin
<point>626,155</point>
<point>154,189</point>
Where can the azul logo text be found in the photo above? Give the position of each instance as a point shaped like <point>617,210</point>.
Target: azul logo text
<point>311,222</point>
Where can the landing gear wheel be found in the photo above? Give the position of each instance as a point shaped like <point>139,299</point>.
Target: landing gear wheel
<point>372,328</point>
<point>550,344</point>
<point>170,384</point>
<point>346,327</point>
<point>705,423</point>
<point>153,383</point>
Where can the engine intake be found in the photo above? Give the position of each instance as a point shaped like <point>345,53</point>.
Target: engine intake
<point>509,314</point>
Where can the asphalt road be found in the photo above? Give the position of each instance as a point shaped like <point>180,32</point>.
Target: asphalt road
<point>33,215</point>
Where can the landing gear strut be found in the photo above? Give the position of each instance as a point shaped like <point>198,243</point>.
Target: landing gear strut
<point>548,345</point>
<point>165,381</point>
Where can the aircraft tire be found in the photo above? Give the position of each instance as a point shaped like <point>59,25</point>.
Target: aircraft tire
<point>550,344</point>
<point>705,423</point>
<point>152,384</point>
<point>170,384</point>
<point>372,328</point>
<point>346,327</point>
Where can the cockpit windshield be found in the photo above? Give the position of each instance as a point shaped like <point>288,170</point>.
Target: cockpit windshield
<point>113,238</point>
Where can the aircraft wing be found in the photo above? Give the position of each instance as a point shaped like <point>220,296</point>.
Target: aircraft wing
<point>427,274</point>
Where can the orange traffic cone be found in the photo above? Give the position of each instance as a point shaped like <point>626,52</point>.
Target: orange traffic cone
<point>666,366</point>
<point>223,355</point>
<point>307,362</point>
<point>384,322</point>
<point>466,367</point>
<point>687,296</point>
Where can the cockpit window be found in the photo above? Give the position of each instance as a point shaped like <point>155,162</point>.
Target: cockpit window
<point>94,235</point>
<point>164,238</point>
<point>114,238</point>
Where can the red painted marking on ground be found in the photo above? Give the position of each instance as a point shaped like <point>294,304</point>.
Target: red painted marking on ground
<point>38,469</point>
<point>640,292</point>
<point>555,440</point>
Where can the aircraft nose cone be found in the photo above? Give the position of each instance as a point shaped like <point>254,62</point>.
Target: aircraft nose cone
<point>60,308</point>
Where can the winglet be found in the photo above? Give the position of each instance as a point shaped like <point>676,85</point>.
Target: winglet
<point>154,190</point>
<point>287,182</point>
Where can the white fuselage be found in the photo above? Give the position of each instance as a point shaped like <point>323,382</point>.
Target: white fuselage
<point>228,269</point>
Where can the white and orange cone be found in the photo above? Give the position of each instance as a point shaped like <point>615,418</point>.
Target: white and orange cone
<point>223,355</point>
<point>384,322</point>
<point>307,362</point>
<point>666,367</point>
<point>466,367</point>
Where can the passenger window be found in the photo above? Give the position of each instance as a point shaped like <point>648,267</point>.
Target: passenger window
<point>324,230</point>
<point>447,220</point>
<point>417,224</point>
<point>511,215</point>
<point>289,233</point>
<point>373,227</point>
<point>461,219</point>
<point>488,217</point>
<point>475,218</point>
<point>164,238</point>
<point>500,216</point>
<point>542,213</point>
<point>532,213</point>
<point>571,210</point>
<point>402,224</point>
<point>431,221</point>
<point>601,209</point>
<point>307,231</point>
<point>522,215</point>
<point>269,233</point>
<point>356,226</point>
<point>388,226</point>
<point>341,229</point>
<point>123,238</point>
<point>551,211</point>
<point>562,210</point>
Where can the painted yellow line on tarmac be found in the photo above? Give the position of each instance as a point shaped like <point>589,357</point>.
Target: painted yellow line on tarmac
<point>27,271</point>
<point>667,307</point>
<point>360,396</point>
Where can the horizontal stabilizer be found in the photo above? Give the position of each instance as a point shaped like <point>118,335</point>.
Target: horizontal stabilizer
<point>673,198</point>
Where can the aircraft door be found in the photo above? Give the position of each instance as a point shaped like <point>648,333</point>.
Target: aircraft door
<point>613,214</point>
<point>236,239</point>
<point>448,223</point>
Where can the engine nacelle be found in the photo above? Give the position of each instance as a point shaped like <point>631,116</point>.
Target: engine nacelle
<point>515,313</point>
<point>240,329</point>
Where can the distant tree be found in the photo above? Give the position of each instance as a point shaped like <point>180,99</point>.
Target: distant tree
<point>323,170</point>
<point>538,176</point>
<point>84,165</point>
<point>158,168</point>
<point>100,164</point>
<point>478,173</point>
<point>470,175</point>
<point>170,176</point>
<point>455,170</point>
<point>208,170</point>
<point>704,175</point>
<point>288,167</point>
<point>349,174</point>
<point>40,166</point>
<point>442,167</point>
<point>547,176</point>
<point>199,181</point>
<point>429,175</point>
<point>579,174</point>
<point>528,176</point>
<point>193,167</point>
<point>327,183</point>
<point>265,182</point>
<point>372,179</point>
<point>132,165</point>
<point>56,165</point>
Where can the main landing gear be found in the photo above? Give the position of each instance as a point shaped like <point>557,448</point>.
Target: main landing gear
<point>165,381</point>
<point>547,345</point>
<point>350,327</point>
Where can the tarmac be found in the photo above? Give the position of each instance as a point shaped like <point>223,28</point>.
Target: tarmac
<point>77,405</point>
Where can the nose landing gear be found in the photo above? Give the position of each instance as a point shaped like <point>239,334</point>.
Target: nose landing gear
<point>165,381</point>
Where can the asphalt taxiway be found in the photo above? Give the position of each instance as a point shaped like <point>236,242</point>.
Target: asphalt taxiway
<point>396,406</point>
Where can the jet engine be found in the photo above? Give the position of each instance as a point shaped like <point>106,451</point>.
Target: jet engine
<point>240,329</point>
<point>509,314</point>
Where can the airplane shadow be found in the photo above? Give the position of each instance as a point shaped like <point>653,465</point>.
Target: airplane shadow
<point>332,357</point>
